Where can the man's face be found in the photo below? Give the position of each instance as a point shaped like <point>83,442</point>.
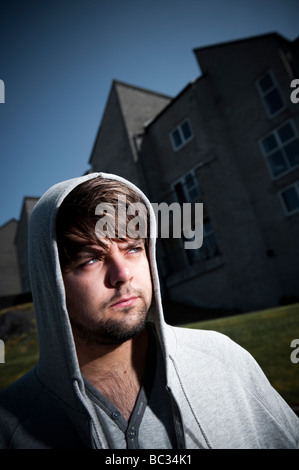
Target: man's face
<point>108,292</point>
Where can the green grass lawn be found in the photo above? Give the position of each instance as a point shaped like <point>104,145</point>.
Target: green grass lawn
<point>267,335</point>
<point>21,352</point>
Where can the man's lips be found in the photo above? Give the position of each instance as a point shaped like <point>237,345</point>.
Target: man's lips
<point>124,302</point>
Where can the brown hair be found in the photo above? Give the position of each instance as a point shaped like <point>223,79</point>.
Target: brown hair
<point>77,216</point>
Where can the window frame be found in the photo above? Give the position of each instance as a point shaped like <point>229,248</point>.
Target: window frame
<point>280,147</point>
<point>182,181</point>
<point>207,252</point>
<point>263,94</point>
<point>184,140</point>
<point>280,195</point>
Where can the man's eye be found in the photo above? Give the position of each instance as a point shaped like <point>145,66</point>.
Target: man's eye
<point>92,261</point>
<point>136,249</point>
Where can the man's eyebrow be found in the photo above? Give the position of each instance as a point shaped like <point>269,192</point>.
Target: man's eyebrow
<point>131,243</point>
<point>86,250</point>
<point>79,250</point>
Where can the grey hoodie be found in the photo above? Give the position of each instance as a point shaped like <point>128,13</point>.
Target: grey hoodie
<point>220,396</point>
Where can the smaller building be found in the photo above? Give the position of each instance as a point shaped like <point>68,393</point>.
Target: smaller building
<point>21,242</point>
<point>10,283</point>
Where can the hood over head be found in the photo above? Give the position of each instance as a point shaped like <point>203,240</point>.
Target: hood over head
<point>58,366</point>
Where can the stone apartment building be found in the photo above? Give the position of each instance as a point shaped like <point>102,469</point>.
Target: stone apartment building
<point>10,283</point>
<point>229,140</point>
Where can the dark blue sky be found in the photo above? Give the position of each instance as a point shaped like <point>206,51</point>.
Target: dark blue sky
<point>58,59</point>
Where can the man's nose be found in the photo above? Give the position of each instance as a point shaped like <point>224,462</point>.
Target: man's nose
<point>119,272</point>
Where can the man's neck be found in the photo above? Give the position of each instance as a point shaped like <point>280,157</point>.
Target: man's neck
<point>116,370</point>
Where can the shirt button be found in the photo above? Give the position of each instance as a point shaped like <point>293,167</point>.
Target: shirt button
<point>115,415</point>
<point>131,433</point>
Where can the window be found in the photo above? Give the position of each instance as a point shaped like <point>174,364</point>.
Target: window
<point>187,188</point>
<point>290,198</point>
<point>209,248</point>
<point>181,135</point>
<point>270,94</point>
<point>281,149</point>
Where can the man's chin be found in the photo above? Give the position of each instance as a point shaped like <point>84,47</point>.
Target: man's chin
<point>112,331</point>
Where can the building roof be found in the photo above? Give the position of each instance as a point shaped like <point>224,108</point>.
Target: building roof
<point>126,93</point>
<point>240,41</point>
<point>138,88</point>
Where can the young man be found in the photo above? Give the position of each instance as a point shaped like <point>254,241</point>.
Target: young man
<point>111,373</point>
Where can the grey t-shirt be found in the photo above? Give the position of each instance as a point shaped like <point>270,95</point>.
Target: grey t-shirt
<point>151,423</point>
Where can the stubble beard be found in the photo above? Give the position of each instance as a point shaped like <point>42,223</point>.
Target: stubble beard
<point>112,331</point>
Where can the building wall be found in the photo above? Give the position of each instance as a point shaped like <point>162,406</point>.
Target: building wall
<point>247,122</point>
